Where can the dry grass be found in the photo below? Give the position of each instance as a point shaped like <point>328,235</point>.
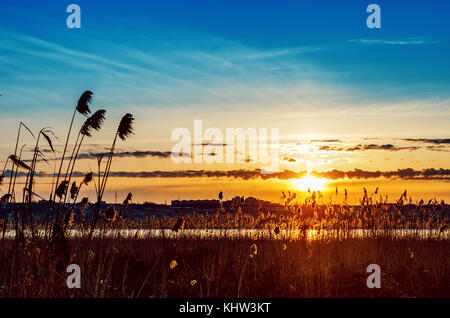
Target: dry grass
<point>333,264</point>
<point>161,267</point>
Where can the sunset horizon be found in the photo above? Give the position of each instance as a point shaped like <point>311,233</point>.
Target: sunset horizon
<point>225,150</point>
<point>336,106</point>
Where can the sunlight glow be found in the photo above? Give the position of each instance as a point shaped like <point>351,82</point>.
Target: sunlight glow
<point>311,183</point>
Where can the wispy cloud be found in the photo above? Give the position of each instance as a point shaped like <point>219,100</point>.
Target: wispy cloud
<point>392,42</point>
<point>130,154</point>
<point>386,147</point>
<point>326,140</point>
<point>120,154</point>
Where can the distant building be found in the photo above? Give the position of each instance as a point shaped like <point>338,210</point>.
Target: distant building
<point>196,204</point>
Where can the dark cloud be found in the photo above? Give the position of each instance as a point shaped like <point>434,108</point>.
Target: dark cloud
<point>128,154</point>
<point>330,148</point>
<point>211,144</point>
<point>385,147</point>
<point>123,154</point>
<point>440,148</point>
<point>430,141</point>
<point>288,159</point>
<point>388,147</point>
<point>409,173</point>
<point>237,174</point>
<point>288,174</point>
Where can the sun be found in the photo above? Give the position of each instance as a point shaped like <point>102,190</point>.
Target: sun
<point>311,183</point>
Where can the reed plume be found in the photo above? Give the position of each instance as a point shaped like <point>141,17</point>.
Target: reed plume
<point>124,130</point>
<point>179,225</point>
<point>61,190</point>
<point>83,103</point>
<point>83,108</point>
<point>128,199</point>
<point>5,198</point>
<point>125,127</point>
<point>93,122</point>
<point>73,190</point>
<point>87,178</point>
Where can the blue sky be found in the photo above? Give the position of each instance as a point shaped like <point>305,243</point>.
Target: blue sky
<point>152,55</point>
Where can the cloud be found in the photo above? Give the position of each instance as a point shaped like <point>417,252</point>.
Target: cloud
<point>326,140</point>
<point>129,154</point>
<point>211,144</point>
<point>121,154</point>
<point>30,45</point>
<point>392,42</point>
<point>385,147</point>
<point>388,147</point>
<point>427,174</point>
<point>409,173</point>
<point>289,160</point>
<point>436,141</point>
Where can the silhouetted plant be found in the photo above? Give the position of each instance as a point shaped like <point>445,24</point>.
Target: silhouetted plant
<point>124,130</point>
<point>82,108</point>
<point>31,174</point>
<point>94,122</point>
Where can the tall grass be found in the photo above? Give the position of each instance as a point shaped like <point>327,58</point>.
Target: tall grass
<point>82,108</point>
<point>193,267</point>
<point>16,163</point>
<point>54,226</point>
<point>124,130</point>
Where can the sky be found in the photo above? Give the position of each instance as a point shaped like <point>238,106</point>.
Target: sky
<point>343,96</point>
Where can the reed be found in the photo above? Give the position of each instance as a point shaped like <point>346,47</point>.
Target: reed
<point>162,267</point>
<point>82,108</point>
<point>92,123</point>
<point>124,130</point>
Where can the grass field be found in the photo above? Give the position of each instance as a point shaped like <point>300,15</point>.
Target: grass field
<point>325,258</point>
<point>189,267</point>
